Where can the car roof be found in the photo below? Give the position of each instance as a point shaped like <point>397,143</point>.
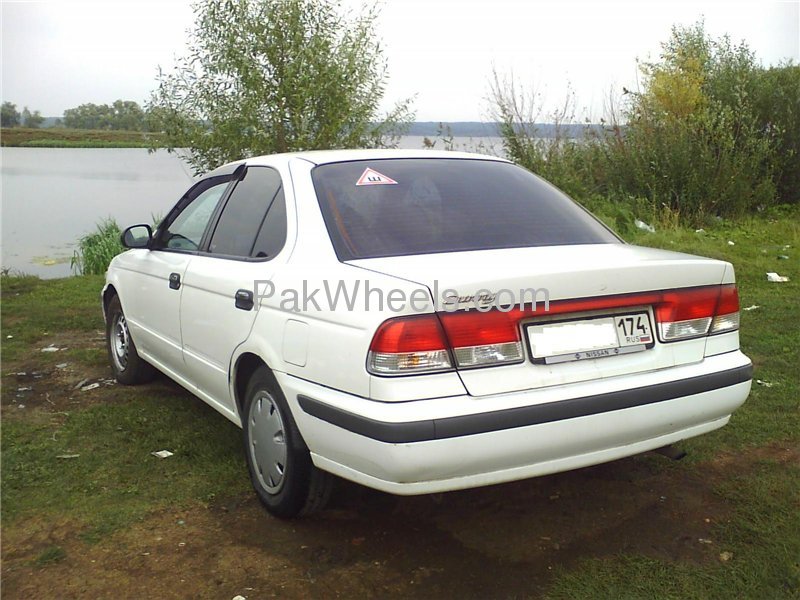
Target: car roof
<point>319,157</point>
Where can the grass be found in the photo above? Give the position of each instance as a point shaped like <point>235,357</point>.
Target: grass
<point>95,250</point>
<point>33,310</point>
<point>57,137</point>
<point>115,481</point>
<point>51,555</point>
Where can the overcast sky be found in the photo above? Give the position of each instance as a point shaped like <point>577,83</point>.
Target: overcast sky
<point>62,53</point>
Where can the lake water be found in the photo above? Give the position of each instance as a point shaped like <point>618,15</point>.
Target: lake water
<point>52,196</point>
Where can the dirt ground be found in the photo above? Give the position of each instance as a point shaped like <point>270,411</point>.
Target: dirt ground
<point>501,541</point>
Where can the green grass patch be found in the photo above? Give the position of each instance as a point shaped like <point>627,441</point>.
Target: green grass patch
<point>57,143</point>
<point>115,479</point>
<point>33,309</point>
<point>60,137</point>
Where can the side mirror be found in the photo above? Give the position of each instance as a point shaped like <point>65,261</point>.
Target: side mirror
<point>137,236</point>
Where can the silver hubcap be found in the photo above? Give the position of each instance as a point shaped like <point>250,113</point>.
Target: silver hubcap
<point>267,442</point>
<point>120,342</point>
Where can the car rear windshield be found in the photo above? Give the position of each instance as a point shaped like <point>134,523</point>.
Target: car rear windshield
<point>396,207</point>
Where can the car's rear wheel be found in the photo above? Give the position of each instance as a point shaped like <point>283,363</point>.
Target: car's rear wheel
<point>129,368</point>
<point>283,475</point>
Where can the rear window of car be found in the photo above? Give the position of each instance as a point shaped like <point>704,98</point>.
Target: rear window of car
<point>397,207</point>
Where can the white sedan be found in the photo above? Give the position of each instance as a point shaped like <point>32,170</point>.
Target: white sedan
<point>420,322</point>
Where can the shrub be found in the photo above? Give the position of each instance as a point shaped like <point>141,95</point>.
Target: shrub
<point>710,134</point>
<point>95,250</point>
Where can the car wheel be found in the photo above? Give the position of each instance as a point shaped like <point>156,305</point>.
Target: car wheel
<point>283,475</point>
<point>129,368</point>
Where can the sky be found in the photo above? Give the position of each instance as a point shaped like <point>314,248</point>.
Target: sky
<point>58,54</point>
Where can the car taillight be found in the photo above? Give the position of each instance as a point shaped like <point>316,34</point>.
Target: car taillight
<point>406,345</point>
<point>463,339</point>
<point>727,314</point>
<point>695,312</point>
<point>424,343</point>
<point>480,339</point>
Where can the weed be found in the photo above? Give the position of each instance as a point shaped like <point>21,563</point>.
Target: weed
<point>52,554</point>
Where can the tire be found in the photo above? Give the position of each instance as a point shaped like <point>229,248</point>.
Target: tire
<point>129,368</point>
<point>285,479</point>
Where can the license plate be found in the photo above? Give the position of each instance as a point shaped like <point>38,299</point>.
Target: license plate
<point>590,338</point>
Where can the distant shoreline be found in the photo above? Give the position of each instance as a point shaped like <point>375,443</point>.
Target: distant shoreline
<point>60,137</point>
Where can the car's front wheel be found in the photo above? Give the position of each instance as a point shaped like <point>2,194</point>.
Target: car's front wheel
<point>129,368</point>
<point>283,475</point>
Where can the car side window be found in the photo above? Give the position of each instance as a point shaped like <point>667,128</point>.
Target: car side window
<point>186,230</point>
<point>272,236</point>
<point>253,222</point>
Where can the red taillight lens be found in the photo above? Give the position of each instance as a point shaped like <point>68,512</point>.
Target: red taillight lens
<point>727,317</point>
<point>409,334</point>
<point>414,344</point>
<point>683,305</point>
<point>480,339</point>
<point>728,300</point>
<point>475,328</point>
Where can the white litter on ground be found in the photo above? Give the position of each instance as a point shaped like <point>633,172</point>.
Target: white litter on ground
<point>755,306</point>
<point>766,384</point>
<point>162,454</point>
<point>775,278</point>
<point>51,349</point>
<point>91,386</point>
<point>644,226</point>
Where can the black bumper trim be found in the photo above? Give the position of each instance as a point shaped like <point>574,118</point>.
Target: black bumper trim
<point>449,427</point>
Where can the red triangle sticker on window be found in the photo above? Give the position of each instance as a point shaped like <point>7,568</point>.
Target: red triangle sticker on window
<point>372,177</point>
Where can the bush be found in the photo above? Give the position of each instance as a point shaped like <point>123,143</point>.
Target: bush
<point>710,134</point>
<point>96,250</point>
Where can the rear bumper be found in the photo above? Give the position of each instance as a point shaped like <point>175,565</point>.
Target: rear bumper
<point>463,441</point>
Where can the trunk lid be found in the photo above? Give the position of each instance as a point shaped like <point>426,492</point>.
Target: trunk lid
<point>559,273</point>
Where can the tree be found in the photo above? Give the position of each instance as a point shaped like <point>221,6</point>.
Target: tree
<point>127,115</point>
<point>266,76</point>
<point>32,119</point>
<point>693,138</point>
<point>9,115</point>
<point>122,115</point>
<point>777,109</point>
<point>88,116</point>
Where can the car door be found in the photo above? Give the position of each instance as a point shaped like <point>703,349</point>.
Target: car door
<point>154,277</point>
<point>217,305</point>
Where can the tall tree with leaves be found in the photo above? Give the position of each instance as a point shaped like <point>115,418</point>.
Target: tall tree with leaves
<point>33,119</point>
<point>266,76</point>
<point>695,144</point>
<point>9,115</point>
